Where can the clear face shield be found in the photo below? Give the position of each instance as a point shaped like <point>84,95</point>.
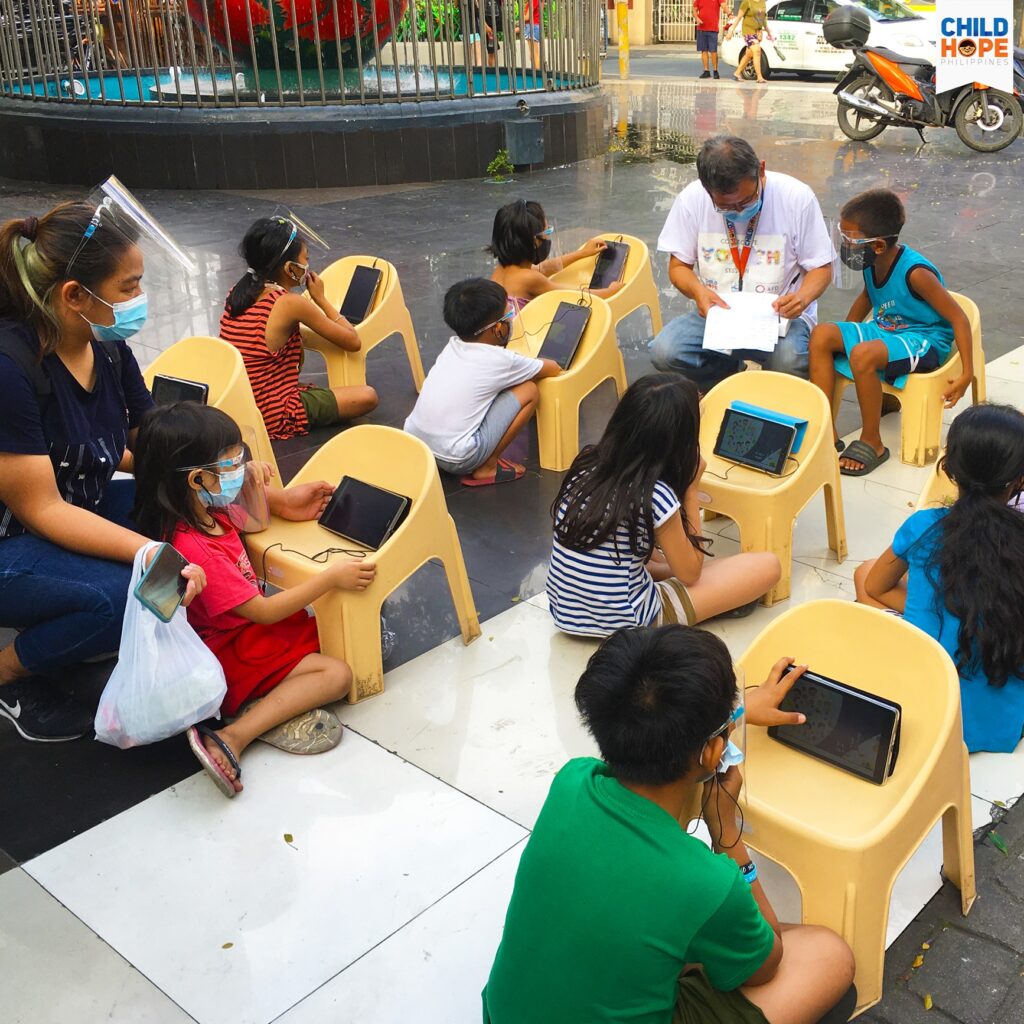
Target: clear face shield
<point>851,256</point>
<point>235,485</point>
<point>316,247</point>
<point>130,262</point>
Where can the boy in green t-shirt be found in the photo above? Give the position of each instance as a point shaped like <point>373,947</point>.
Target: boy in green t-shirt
<point>617,913</point>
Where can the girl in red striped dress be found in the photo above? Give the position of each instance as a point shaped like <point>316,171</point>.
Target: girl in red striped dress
<point>261,319</point>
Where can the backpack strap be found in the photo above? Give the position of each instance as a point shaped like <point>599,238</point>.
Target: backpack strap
<point>18,342</point>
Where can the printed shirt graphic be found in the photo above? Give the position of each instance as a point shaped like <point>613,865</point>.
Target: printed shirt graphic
<point>791,239</point>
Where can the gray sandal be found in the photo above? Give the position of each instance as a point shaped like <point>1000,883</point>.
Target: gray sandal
<point>312,732</point>
<point>863,453</point>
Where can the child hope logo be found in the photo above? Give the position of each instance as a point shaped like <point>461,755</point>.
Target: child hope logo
<point>975,44</point>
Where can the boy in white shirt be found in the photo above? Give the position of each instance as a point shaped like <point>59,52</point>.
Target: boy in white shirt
<point>478,396</point>
<point>741,228</point>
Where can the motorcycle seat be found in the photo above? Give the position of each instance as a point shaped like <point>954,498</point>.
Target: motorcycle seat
<point>900,58</point>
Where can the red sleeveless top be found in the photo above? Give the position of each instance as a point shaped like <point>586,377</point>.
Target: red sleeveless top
<point>274,376</point>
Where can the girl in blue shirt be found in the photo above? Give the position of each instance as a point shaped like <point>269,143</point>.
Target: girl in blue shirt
<point>957,572</point>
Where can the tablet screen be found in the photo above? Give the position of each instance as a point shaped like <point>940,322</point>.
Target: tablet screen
<point>174,389</point>
<point>359,297</point>
<point>610,263</point>
<point>363,513</point>
<point>760,444</point>
<point>565,333</point>
<point>845,728</point>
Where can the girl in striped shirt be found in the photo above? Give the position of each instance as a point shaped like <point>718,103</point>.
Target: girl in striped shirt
<point>261,319</point>
<point>627,548</point>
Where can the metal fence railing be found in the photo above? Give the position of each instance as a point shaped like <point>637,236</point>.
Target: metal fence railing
<point>233,53</point>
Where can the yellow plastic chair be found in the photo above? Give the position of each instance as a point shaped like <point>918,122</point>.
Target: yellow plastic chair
<point>939,492</point>
<point>349,621</point>
<point>921,400</point>
<point>765,507</point>
<point>389,315</point>
<point>638,287</point>
<point>597,359</point>
<point>217,363</point>
<point>843,839</point>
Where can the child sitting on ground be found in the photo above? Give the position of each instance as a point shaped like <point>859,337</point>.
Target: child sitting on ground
<point>914,325</point>
<point>957,573</point>
<point>478,396</point>
<point>189,471</point>
<point>261,319</point>
<point>521,243</point>
<point>628,549</point>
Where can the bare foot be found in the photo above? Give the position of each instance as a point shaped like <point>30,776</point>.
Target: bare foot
<point>222,762</point>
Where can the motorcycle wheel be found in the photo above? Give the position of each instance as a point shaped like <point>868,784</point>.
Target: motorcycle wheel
<point>856,124</point>
<point>1004,125</point>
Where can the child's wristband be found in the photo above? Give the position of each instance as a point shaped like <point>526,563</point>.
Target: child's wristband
<point>749,872</point>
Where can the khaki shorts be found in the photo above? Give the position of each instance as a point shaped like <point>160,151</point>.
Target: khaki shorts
<point>676,606</point>
<point>699,1003</point>
<point>321,406</point>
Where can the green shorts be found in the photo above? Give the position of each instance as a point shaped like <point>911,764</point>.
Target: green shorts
<point>321,406</point>
<point>700,1003</point>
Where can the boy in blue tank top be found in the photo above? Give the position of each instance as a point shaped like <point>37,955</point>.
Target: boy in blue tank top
<point>914,325</point>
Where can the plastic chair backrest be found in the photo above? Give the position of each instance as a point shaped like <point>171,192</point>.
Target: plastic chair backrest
<point>577,275</point>
<point>876,652</point>
<point>780,392</point>
<point>530,328</point>
<point>338,276</point>
<point>939,490</point>
<point>970,307</point>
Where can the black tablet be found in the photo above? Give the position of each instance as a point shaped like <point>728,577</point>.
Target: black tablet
<point>364,514</point>
<point>362,289</point>
<point>176,389</point>
<point>755,442</point>
<point>565,332</point>
<point>611,262</point>
<point>846,727</point>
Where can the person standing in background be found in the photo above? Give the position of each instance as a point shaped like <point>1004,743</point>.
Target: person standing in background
<point>753,20</point>
<point>707,14</point>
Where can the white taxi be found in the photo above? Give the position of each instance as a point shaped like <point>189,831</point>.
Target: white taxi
<point>800,46</point>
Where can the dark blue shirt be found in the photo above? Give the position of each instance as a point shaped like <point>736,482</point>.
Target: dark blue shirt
<point>83,432</point>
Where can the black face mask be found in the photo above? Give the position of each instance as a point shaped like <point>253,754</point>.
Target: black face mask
<point>543,251</point>
<point>857,257</point>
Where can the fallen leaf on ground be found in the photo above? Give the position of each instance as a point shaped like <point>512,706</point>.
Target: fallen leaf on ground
<point>227,945</point>
<point>999,843</point>
<point>918,960</point>
<point>289,838</point>
<point>928,1002</point>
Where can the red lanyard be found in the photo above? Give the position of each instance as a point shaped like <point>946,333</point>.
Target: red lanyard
<point>741,258</point>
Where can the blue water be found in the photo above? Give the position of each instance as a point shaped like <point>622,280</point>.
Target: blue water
<point>146,87</point>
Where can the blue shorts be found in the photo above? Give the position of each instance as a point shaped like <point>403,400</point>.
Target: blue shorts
<point>532,30</point>
<point>909,351</point>
<point>707,42</point>
<point>504,409</point>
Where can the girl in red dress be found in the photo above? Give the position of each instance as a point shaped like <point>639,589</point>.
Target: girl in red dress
<point>188,474</point>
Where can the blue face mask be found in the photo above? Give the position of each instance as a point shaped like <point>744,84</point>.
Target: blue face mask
<point>747,213</point>
<point>730,756</point>
<point>230,487</point>
<point>129,318</point>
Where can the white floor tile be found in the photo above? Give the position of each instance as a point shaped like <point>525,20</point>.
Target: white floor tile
<point>1008,367</point>
<point>998,778</point>
<point>433,970</point>
<point>315,863</point>
<point>56,970</point>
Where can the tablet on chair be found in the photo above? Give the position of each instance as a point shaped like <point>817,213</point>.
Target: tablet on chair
<point>364,514</point>
<point>754,441</point>
<point>565,332</point>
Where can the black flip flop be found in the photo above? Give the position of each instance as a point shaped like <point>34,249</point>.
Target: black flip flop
<point>210,766</point>
<point>863,453</point>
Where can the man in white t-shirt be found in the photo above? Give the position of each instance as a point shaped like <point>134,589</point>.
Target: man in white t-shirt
<point>478,395</point>
<point>740,228</point>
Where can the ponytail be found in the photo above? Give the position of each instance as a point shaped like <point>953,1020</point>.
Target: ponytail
<point>35,256</point>
<point>268,245</point>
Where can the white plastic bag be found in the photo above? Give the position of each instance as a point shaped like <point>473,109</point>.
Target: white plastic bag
<point>166,679</point>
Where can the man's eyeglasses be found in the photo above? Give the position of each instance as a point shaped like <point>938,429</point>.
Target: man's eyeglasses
<point>739,207</point>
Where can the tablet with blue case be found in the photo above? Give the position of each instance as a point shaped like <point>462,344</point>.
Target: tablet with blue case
<point>778,417</point>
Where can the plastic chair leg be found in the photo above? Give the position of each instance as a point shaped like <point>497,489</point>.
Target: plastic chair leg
<point>835,519</point>
<point>921,430</point>
<point>412,350</point>
<point>558,432</point>
<point>778,538</point>
<point>458,584</point>
<point>978,387</point>
<point>349,629</point>
<point>958,842</point>
<point>619,377</point>
<point>653,303</point>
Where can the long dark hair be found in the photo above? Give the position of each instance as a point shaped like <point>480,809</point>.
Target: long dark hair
<point>266,250</point>
<point>35,258</point>
<point>173,438</point>
<point>514,235</point>
<point>979,560</point>
<point>652,435</point>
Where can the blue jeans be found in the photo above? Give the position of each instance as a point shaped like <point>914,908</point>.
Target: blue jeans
<point>70,605</point>
<point>678,347</point>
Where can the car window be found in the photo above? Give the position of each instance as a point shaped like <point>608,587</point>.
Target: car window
<point>822,9</point>
<point>887,10</point>
<point>788,10</point>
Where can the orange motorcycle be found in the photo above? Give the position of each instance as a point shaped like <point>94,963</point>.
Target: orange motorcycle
<point>886,89</point>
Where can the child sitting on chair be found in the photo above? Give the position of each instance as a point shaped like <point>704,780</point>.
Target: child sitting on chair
<point>521,243</point>
<point>478,396</point>
<point>914,325</point>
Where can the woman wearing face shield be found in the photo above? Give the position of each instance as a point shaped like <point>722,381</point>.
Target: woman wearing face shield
<point>70,296</point>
